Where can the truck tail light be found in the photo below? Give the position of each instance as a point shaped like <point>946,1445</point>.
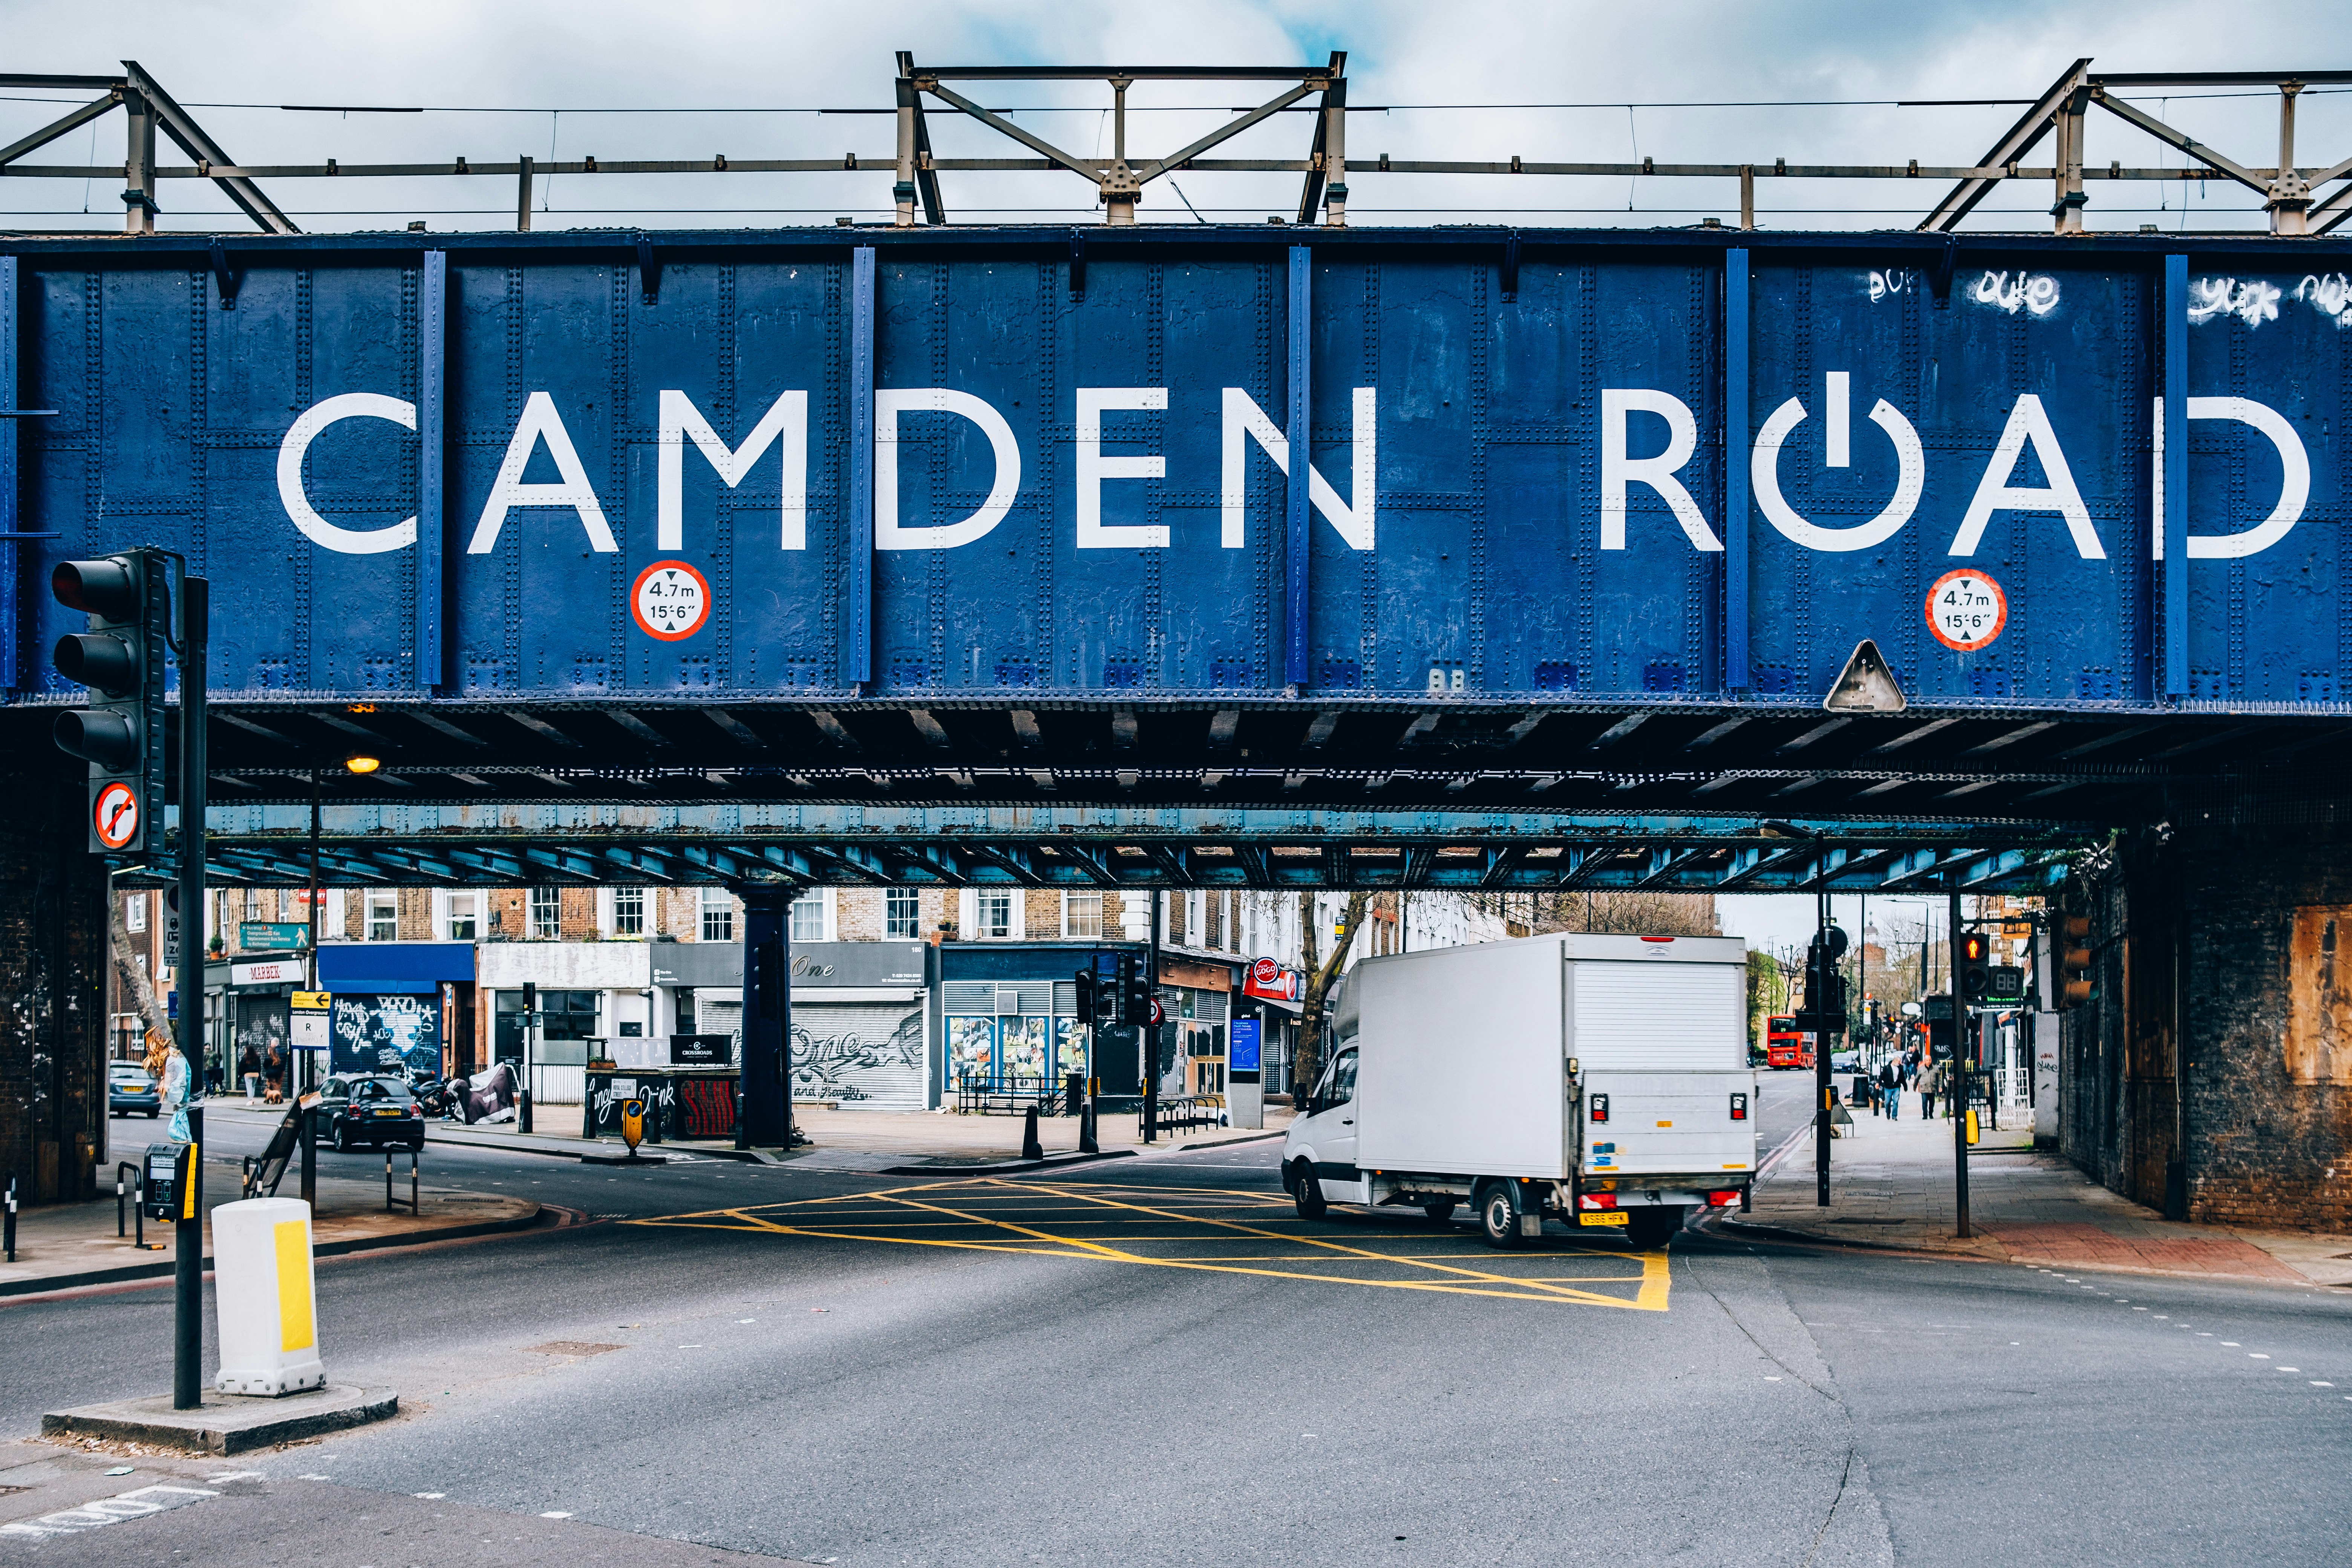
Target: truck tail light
<point>1600,1107</point>
<point>1739,1108</point>
<point>1600,1200</point>
<point>1723,1200</point>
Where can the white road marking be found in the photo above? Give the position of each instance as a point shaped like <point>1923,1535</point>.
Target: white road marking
<point>430,1497</point>
<point>2257,1355</point>
<point>2289,1369</point>
<point>555,1514</point>
<point>2323,1385</point>
<point>134,1504</point>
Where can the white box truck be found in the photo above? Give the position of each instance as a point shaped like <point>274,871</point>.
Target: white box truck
<point>1603,1080</point>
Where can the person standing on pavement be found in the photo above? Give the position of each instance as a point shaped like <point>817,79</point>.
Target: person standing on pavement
<point>1890,1090</point>
<point>249,1068</point>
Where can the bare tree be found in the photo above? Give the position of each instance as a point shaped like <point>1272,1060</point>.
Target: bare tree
<point>135,982</point>
<point>1320,976</point>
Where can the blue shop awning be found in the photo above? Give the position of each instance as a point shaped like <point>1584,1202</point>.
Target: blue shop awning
<point>394,967</point>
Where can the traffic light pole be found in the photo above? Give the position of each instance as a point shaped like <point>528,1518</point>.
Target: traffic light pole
<point>188,1232</point>
<point>1147,1034</point>
<point>1818,987</point>
<point>1956,1083</point>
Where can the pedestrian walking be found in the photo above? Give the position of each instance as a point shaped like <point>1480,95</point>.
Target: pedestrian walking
<point>1931,1084</point>
<point>1890,1090</point>
<point>249,1068</point>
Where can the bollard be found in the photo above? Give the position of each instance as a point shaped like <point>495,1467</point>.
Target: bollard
<point>1031,1149</point>
<point>267,1297</point>
<point>1074,1094</point>
<point>1086,1141</point>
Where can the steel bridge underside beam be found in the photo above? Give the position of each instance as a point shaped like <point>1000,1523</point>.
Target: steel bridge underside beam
<point>1091,848</point>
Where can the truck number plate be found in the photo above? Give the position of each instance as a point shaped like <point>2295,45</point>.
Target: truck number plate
<point>1604,1217</point>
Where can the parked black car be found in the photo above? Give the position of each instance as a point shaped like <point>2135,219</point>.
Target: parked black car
<point>130,1091</point>
<point>368,1111</point>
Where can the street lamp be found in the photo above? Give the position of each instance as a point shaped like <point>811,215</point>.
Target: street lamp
<point>362,764</point>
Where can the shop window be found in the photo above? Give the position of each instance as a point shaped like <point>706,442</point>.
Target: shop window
<point>993,908</point>
<point>383,915</point>
<point>808,916</point>
<point>464,909</point>
<point>899,917</point>
<point>1082,914</point>
<point>546,913</point>
<point>717,915</point>
<point>628,912</point>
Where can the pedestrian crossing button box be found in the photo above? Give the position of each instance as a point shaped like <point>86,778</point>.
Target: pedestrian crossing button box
<point>167,1170</point>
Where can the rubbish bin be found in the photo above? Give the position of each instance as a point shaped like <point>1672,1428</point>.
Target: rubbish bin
<point>269,1307</point>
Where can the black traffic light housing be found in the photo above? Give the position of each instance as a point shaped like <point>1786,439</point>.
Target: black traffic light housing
<point>1972,972</point>
<point>1134,992</point>
<point>1825,1010</point>
<point>121,659</point>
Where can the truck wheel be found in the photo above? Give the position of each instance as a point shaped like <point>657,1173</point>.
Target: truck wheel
<point>1498,1216</point>
<point>1650,1228</point>
<point>1307,1191</point>
<point>1440,1212</point>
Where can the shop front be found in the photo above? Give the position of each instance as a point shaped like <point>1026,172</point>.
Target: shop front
<point>865,1029</point>
<point>1011,1011</point>
<point>1198,997</point>
<point>404,1008</point>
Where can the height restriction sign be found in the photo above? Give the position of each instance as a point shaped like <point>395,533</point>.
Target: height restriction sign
<point>670,601</point>
<point>1967,610</point>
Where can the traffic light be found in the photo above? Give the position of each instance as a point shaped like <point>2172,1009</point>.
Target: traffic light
<point>1823,1013</point>
<point>1972,972</point>
<point>121,659</point>
<point>1137,991</point>
<point>2074,959</point>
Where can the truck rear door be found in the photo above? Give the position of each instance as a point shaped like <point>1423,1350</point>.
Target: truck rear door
<point>1694,1124</point>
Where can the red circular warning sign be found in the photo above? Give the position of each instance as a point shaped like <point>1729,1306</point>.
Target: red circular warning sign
<point>115,816</point>
<point>671,601</point>
<point>1967,610</point>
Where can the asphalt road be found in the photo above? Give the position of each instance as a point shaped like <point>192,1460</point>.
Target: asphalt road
<point>1151,1360</point>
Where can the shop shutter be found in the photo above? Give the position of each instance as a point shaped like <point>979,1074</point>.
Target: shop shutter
<point>869,1056</point>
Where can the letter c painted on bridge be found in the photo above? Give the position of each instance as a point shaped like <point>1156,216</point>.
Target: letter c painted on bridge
<point>290,452</point>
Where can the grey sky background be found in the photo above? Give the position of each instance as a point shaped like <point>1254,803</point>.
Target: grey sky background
<point>550,77</point>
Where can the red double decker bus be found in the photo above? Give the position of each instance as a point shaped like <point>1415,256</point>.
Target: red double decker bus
<point>1783,1046</point>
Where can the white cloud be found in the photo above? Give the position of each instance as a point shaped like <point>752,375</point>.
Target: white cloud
<point>581,56</point>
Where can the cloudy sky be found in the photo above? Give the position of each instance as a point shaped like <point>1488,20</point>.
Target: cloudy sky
<point>1668,80</point>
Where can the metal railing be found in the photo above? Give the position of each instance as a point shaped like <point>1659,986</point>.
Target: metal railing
<point>1186,1111</point>
<point>1012,1094</point>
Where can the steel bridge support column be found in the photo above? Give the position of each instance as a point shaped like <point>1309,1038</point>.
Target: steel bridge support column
<point>2066,211</point>
<point>139,168</point>
<point>764,1078</point>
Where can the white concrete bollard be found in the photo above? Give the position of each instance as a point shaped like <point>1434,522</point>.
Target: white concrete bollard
<point>268,1312</point>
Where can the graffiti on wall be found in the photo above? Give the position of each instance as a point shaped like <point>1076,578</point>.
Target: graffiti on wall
<point>858,1055</point>
<point>387,1034</point>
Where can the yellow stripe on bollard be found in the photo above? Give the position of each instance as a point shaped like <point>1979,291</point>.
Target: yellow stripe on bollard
<point>295,1329</point>
<point>188,1184</point>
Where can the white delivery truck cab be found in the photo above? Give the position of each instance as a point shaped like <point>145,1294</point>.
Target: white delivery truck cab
<point>1602,1081</point>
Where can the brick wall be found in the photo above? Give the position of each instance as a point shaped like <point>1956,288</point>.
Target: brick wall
<point>52,966</point>
<point>2196,952</point>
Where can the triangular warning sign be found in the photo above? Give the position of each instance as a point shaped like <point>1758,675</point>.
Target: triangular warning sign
<point>1867,686</point>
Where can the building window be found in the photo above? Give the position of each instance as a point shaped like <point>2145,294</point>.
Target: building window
<point>1082,914</point>
<point>899,916</point>
<point>628,912</point>
<point>463,911</point>
<point>383,916</point>
<point>808,916</point>
<point>717,915</point>
<point>546,913</point>
<point>253,905</point>
<point>994,906</point>
<point>134,912</point>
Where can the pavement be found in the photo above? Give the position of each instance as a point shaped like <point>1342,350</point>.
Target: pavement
<point>1892,1186</point>
<point>66,1246</point>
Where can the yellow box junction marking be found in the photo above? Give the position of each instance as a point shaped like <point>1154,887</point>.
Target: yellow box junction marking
<point>1080,1228</point>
